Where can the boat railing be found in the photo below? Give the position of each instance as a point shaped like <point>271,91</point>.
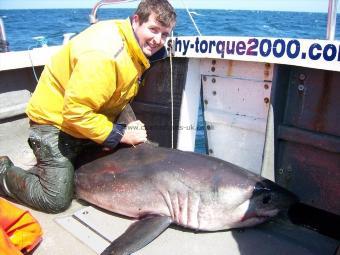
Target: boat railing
<point>331,21</point>
<point>93,15</point>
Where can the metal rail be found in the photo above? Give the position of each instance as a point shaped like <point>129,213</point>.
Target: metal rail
<point>331,22</point>
<point>93,15</point>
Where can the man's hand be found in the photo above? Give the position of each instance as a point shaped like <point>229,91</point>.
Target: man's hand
<point>135,133</point>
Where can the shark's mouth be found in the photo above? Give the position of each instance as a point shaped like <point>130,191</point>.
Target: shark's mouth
<point>261,216</point>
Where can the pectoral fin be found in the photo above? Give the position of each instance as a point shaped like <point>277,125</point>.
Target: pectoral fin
<point>138,235</point>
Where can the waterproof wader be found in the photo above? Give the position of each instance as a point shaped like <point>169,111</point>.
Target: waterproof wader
<point>48,186</point>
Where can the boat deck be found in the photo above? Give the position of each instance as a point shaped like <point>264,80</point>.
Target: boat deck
<point>86,230</point>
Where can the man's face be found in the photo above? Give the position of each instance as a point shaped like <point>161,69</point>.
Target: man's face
<point>150,35</point>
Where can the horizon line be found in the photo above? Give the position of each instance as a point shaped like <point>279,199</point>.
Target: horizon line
<point>132,8</point>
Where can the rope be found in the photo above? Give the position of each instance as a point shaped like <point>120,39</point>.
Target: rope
<point>172,94</point>
<point>30,57</point>
<point>41,41</point>
<point>192,19</point>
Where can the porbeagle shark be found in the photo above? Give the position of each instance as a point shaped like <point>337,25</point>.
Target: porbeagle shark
<point>162,186</point>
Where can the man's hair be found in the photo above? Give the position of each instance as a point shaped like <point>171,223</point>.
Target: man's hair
<point>164,12</point>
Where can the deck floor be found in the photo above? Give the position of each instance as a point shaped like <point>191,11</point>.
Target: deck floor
<point>62,236</point>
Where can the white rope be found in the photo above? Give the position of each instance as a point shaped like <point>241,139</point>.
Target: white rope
<point>192,19</point>
<point>172,93</point>
<point>30,57</point>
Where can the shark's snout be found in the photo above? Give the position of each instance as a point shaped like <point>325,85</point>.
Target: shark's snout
<point>268,199</point>
<point>272,193</point>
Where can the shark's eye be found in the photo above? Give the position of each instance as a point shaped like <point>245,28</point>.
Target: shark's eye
<point>266,199</point>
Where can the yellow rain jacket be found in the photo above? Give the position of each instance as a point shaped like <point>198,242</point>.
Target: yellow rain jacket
<point>89,81</point>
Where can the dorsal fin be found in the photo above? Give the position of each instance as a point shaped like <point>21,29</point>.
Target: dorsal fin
<point>126,116</point>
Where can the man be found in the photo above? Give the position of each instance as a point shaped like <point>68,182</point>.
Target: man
<point>80,93</point>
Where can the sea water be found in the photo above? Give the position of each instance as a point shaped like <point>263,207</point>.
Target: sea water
<point>22,26</point>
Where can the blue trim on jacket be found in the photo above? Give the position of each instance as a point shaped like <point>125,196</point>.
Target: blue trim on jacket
<point>115,136</point>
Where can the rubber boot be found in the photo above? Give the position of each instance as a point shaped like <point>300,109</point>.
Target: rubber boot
<point>5,164</point>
